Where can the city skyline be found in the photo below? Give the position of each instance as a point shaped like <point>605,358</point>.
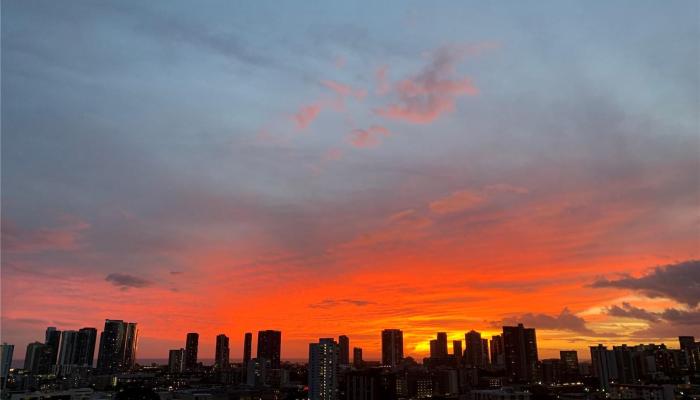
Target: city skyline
<point>340,169</point>
<point>512,367</point>
<point>492,350</point>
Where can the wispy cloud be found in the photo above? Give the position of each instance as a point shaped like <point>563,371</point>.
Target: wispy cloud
<point>344,90</point>
<point>457,201</point>
<point>370,137</point>
<point>329,303</point>
<point>64,237</point>
<point>431,93</point>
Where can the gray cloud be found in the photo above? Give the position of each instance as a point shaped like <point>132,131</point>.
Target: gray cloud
<point>629,311</point>
<point>328,303</point>
<point>680,282</point>
<point>125,281</point>
<point>682,317</point>
<point>565,321</point>
<point>668,323</point>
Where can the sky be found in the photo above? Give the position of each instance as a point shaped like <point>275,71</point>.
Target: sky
<point>328,168</point>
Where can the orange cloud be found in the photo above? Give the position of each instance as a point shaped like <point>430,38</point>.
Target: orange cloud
<point>401,226</point>
<point>370,137</point>
<point>457,201</point>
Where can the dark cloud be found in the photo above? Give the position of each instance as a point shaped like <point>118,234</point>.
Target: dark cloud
<point>680,282</point>
<point>328,303</point>
<point>670,322</point>
<point>125,281</point>
<point>565,321</point>
<point>629,311</point>
<point>682,317</point>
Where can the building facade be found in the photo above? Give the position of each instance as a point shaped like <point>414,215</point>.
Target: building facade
<point>520,349</point>
<point>392,347</point>
<point>344,355</point>
<point>247,347</point>
<point>323,370</point>
<point>191,351</point>
<point>221,356</point>
<point>270,346</point>
<point>118,343</point>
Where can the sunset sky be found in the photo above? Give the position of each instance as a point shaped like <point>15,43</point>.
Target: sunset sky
<point>328,168</point>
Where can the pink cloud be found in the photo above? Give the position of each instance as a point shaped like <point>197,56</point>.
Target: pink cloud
<point>333,154</point>
<point>465,199</point>
<point>306,115</point>
<point>432,93</point>
<point>382,80</point>
<point>370,137</point>
<point>344,90</point>
<point>457,201</point>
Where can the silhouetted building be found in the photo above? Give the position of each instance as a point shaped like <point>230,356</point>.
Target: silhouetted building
<point>692,349</point>
<point>191,350</point>
<point>687,342</point>
<point>37,360</point>
<point>484,352</point>
<point>6,351</point>
<point>457,350</point>
<point>625,363</point>
<point>269,347</point>
<point>569,365</point>
<point>256,371</point>
<point>433,348</point>
<point>371,384</point>
<point>520,348</point>
<point>392,347</point>
<point>221,358</point>
<point>419,385</point>
<point>114,355</point>
<point>68,350</point>
<point>603,365</point>
<point>551,370</point>
<point>357,361</point>
<point>130,345</point>
<point>323,370</point>
<point>247,347</point>
<point>344,355</point>
<point>497,351</point>
<point>474,356</point>
<point>176,361</point>
<point>53,340</point>
<point>85,347</point>
<point>441,349</point>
